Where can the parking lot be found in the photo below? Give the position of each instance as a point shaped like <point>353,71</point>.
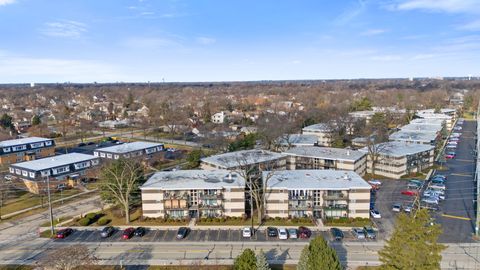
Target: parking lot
<point>457,213</point>
<point>214,235</point>
<point>86,149</point>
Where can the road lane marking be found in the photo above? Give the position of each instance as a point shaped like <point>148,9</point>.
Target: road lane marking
<point>461,174</point>
<point>455,217</point>
<point>465,160</point>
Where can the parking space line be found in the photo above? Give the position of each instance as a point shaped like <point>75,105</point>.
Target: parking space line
<point>165,235</point>
<point>455,217</point>
<point>461,174</point>
<point>155,235</point>
<point>218,235</point>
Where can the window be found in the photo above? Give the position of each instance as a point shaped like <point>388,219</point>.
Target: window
<point>151,150</point>
<point>109,155</point>
<point>6,149</point>
<point>95,154</point>
<point>36,145</point>
<point>45,173</point>
<point>18,171</point>
<point>61,170</point>
<point>95,162</point>
<point>24,173</point>
<point>116,156</point>
<point>48,143</point>
<point>31,174</point>
<point>82,165</point>
<point>19,147</point>
<point>12,170</point>
<point>102,154</point>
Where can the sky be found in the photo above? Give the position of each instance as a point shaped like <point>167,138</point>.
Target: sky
<point>236,40</point>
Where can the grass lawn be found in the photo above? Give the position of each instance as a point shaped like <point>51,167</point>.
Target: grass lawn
<point>24,199</point>
<point>55,221</point>
<point>368,267</point>
<point>348,223</point>
<point>215,267</point>
<point>468,115</point>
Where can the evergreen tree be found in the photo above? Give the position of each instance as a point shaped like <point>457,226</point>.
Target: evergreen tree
<point>414,244</point>
<point>246,261</point>
<point>6,121</point>
<point>262,263</point>
<point>318,256</point>
<point>36,120</point>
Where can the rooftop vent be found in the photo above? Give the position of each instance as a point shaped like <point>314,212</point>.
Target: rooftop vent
<point>346,177</point>
<point>211,180</point>
<point>229,178</point>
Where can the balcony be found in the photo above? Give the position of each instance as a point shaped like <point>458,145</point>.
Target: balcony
<point>210,206</point>
<point>177,196</point>
<point>300,207</point>
<point>336,207</point>
<point>175,205</point>
<point>300,198</point>
<point>331,197</point>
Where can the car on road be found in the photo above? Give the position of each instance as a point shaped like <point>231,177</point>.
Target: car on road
<point>292,233</point>
<point>63,233</point>
<point>282,234</point>
<point>375,213</point>
<point>139,231</point>
<point>182,232</point>
<point>358,233</point>
<point>272,232</point>
<point>304,232</point>
<point>369,232</point>
<point>449,156</point>
<point>397,207</point>
<point>409,192</point>
<point>337,234</point>
<point>128,233</point>
<point>107,231</point>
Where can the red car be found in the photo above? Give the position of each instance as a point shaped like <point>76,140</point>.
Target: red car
<point>304,232</point>
<point>450,156</point>
<point>63,233</point>
<point>409,192</point>
<point>127,233</point>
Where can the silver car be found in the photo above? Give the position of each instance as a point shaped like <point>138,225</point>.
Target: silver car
<point>358,233</point>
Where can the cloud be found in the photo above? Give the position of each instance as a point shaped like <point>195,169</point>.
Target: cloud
<point>387,58</point>
<point>471,26</point>
<point>373,32</point>
<point>350,14</point>
<point>6,2</point>
<point>150,42</point>
<point>64,29</point>
<point>205,40</point>
<point>448,6</point>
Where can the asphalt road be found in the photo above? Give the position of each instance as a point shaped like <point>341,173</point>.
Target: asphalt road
<point>457,214</point>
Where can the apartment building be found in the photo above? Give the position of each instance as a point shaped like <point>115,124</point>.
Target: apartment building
<point>247,158</point>
<point>326,158</point>
<point>129,150</point>
<point>194,193</point>
<point>296,140</point>
<point>59,169</point>
<point>322,131</point>
<point>420,137</point>
<point>316,193</point>
<point>447,115</point>
<point>396,159</point>
<point>31,148</point>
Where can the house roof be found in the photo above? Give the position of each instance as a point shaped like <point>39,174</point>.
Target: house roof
<point>242,158</point>
<point>128,147</point>
<point>194,179</point>
<point>326,153</point>
<point>422,127</point>
<point>399,149</point>
<point>53,162</point>
<point>21,141</point>
<point>315,179</point>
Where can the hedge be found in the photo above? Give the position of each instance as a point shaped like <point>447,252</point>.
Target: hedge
<point>84,221</point>
<point>103,221</point>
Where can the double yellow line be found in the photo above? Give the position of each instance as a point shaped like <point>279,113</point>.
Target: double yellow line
<point>455,217</point>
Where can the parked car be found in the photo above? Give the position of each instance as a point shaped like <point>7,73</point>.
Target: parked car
<point>90,143</point>
<point>408,208</point>
<point>304,232</point>
<point>397,207</point>
<point>358,233</point>
<point>369,232</point>
<point>247,232</point>
<point>128,233</point>
<point>292,233</point>
<point>452,142</point>
<point>282,234</point>
<point>272,232</point>
<point>375,182</point>
<point>139,231</point>
<point>449,145</point>
<point>434,194</point>
<point>455,139</point>
<point>375,213</point>
<point>107,231</point>
<point>8,177</point>
<point>182,232</point>
<point>439,176</point>
<point>81,144</point>
<point>337,234</point>
<point>410,192</point>
<point>430,200</point>
<point>63,233</point>
<point>437,186</point>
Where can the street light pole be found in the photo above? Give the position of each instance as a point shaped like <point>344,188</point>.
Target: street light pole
<point>50,205</point>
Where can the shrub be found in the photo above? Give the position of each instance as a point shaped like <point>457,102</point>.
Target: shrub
<point>91,215</point>
<point>103,221</point>
<point>84,221</point>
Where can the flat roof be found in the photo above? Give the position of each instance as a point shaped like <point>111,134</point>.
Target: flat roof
<point>399,149</point>
<point>315,179</point>
<point>422,127</point>
<point>128,147</point>
<point>53,162</point>
<point>433,116</point>
<point>21,141</point>
<point>242,158</point>
<point>298,139</point>
<point>322,127</point>
<point>419,136</point>
<point>194,179</point>
<point>326,152</point>
<point>424,121</point>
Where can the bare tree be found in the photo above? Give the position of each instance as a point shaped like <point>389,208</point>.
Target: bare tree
<point>68,258</point>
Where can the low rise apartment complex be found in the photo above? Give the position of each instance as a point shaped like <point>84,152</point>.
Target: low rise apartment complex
<point>396,159</point>
<point>322,131</point>
<point>129,150</point>
<point>316,193</point>
<point>194,193</point>
<point>59,169</point>
<point>247,158</point>
<point>18,150</point>
<point>326,158</point>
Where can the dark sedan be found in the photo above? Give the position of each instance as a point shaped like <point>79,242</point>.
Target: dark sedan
<point>64,233</point>
<point>304,232</point>
<point>337,234</point>
<point>272,232</point>
<point>182,232</point>
<point>140,231</point>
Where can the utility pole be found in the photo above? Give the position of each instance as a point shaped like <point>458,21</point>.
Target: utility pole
<point>477,173</point>
<point>50,205</point>
<point>251,205</point>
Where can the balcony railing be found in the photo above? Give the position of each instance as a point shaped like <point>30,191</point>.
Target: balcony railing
<point>178,196</point>
<point>175,206</point>
<point>300,207</point>
<point>210,206</point>
<point>300,198</point>
<point>339,196</point>
<point>206,196</point>
<point>336,207</point>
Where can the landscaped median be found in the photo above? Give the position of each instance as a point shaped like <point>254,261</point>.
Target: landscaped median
<point>347,222</point>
